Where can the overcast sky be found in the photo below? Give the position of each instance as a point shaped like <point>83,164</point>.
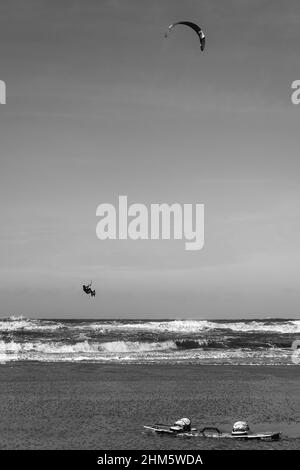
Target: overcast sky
<point>99,105</point>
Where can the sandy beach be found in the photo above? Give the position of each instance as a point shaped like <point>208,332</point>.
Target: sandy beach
<point>96,406</point>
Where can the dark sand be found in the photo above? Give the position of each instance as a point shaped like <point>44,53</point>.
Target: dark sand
<point>96,406</point>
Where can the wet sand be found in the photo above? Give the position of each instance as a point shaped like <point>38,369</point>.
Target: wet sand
<point>96,406</point>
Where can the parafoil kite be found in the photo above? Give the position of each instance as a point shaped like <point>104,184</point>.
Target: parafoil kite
<point>195,27</point>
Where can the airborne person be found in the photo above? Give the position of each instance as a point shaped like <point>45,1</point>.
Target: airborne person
<point>87,289</point>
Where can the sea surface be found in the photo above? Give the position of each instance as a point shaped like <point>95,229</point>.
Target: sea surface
<point>217,342</point>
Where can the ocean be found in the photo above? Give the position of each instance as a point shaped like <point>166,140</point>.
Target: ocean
<point>211,342</point>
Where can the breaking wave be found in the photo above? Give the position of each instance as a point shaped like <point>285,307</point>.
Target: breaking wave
<point>172,326</point>
<point>197,326</point>
<point>199,341</point>
<point>89,347</point>
<point>20,323</point>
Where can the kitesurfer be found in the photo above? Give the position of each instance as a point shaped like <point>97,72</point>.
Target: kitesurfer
<point>88,290</point>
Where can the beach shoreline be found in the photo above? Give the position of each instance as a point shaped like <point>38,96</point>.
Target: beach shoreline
<point>104,406</point>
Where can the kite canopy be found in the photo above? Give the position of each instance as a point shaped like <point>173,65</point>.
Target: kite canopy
<point>193,26</point>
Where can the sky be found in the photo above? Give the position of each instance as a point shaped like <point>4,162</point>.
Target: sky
<point>100,104</point>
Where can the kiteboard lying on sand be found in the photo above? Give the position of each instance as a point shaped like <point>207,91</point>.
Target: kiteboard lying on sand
<point>214,432</point>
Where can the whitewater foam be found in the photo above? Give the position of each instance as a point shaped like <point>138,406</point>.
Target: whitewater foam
<point>170,326</point>
<point>197,326</point>
<point>20,323</point>
<point>201,341</point>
